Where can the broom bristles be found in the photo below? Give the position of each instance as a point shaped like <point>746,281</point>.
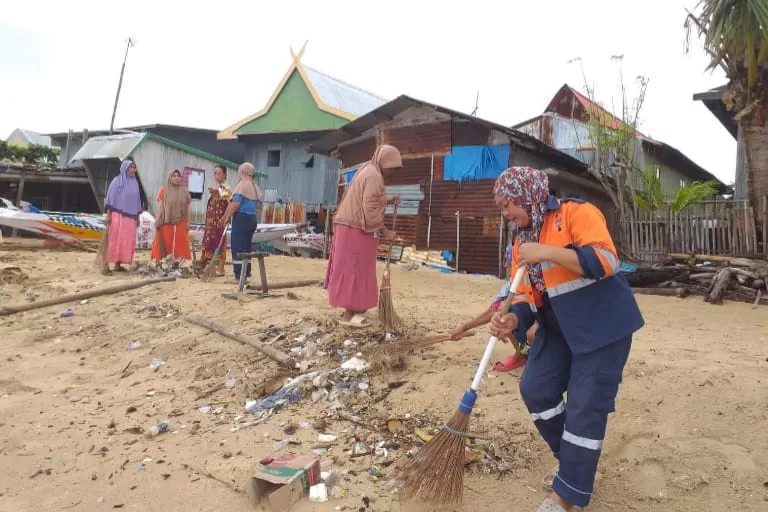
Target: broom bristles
<point>436,473</point>
<point>101,262</point>
<point>387,315</point>
<point>210,270</point>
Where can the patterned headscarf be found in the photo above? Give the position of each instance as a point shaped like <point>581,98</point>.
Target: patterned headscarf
<point>527,188</point>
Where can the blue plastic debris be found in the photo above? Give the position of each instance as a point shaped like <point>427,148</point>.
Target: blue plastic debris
<point>274,401</point>
<point>627,267</point>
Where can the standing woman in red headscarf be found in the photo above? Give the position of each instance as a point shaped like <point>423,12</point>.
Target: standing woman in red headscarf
<point>586,314</point>
<point>351,274</point>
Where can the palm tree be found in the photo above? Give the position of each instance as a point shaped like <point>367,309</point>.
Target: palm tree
<point>735,36</point>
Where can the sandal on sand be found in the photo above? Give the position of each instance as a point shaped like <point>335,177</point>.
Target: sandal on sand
<point>549,480</point>
<point>549,505</point>
<point>509,364</point>
<point>356,321</point>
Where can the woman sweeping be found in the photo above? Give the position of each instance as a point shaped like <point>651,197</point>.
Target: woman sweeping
<point>215,236</point>
<point>586,315</point>
<point>351,275</point>
<point>172,221</point>
<point>242,212</point>
<point>123,207</point>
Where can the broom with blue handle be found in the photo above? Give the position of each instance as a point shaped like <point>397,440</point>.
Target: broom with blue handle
<point>436,473</point>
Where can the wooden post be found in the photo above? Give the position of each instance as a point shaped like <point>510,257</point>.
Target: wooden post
<point>327,233</point>
<point>19,194</point>
<point>88,294</point>
<point>458,238</point>
<point>265,349</point>
<point>764,208</point>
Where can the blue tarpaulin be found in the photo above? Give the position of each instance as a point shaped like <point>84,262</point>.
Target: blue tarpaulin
<point>349,175</point>
<point>476,162</point>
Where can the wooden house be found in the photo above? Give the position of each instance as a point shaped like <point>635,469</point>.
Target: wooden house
<point>306,105</point>
<point>451,161</point>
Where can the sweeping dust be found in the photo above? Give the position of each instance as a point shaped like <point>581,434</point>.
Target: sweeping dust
<point>689,432</point>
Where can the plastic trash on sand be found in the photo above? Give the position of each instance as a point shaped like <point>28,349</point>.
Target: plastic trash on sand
<point>355,363</point>
<point>318,493</point>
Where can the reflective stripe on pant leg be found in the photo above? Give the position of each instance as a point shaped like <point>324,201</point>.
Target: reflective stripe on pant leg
<point>542,385</point>
<point>592,389</point>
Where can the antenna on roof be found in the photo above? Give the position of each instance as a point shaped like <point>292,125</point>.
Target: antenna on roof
<point>129,44</point>
<point>477,100</point>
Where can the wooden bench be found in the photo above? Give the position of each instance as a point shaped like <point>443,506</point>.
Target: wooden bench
<point>246,257</point>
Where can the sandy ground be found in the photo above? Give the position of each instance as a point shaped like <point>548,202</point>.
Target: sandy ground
<point>689,433</point>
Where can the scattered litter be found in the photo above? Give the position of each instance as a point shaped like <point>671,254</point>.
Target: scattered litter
<point>133,345</point>
<point>84,302</point>
<point>66,314</point>
<point>160,428</point>
<point>231,383</point>
<point>156,363</point>
<point>326,438</point>
<point>205,409</point>
<point>355,363</point>
<point>318,493</point>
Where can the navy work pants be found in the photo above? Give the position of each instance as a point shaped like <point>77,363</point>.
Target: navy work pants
<point>243,228</point>
<point>574,429</point>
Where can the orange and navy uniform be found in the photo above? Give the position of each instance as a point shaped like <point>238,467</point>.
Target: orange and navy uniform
<point>594,309</point>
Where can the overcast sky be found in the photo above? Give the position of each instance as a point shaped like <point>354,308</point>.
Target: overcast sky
<point>208,64</point>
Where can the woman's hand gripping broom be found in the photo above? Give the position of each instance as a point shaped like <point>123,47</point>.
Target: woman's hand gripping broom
<point>387,316</point>
<point>436,473</point>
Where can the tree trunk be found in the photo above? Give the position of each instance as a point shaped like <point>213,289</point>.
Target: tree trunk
<point>755,139</point>
<point>718,287</point>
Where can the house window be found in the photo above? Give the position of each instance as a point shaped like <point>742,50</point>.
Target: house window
<point>682,183</point>
<point>658,173</point>
<point>273,158</point>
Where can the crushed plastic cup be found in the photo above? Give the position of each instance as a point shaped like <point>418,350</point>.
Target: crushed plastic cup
<point>156,363</point>
<point>160,428</point>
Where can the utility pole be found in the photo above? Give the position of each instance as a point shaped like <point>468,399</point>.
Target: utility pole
<point>128,46</point>
<point>477,101</point>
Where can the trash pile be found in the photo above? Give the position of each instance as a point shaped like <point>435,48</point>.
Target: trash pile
<point>345,430</point>
<point>168,267</point>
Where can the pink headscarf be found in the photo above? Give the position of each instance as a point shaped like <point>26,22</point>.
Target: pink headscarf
<point>527,188</point>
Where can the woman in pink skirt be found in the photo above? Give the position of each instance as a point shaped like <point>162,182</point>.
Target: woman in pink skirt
<point>351,275</point>
<point>123,207</point>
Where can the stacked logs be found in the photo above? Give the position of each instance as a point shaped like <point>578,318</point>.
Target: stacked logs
<point>714,277</point>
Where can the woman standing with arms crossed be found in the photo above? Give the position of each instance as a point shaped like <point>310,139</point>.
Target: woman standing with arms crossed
<point>351,275</point>
<point>587,315</point>
<point>242,212</point>
<point>215,236</point>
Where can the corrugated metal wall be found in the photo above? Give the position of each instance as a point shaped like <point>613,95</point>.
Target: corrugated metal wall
<point>480,246</point>
<point>155,160</point>
<point>293,181</point>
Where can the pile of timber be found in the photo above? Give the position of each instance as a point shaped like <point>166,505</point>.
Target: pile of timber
<point>423,257</point>
<point>713,277</point>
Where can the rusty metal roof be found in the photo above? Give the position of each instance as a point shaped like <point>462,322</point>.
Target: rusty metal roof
<point>387,111</point>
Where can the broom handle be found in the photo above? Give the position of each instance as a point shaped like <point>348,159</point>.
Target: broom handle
<point>504,309</point>
<point>394,224</point>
